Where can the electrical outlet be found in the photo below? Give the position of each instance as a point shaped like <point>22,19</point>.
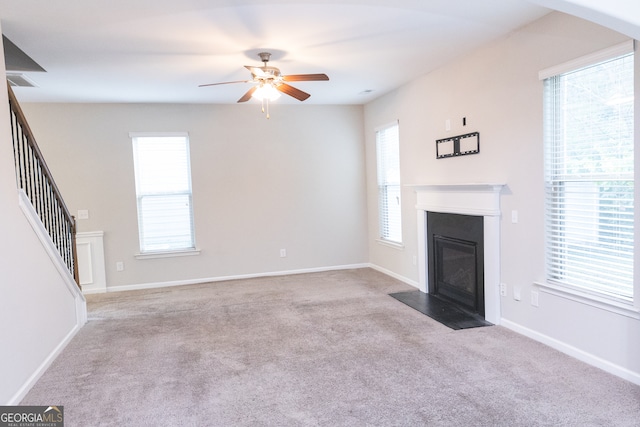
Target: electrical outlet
<point>534,298</point>
<point>283,253</point>
<point>503,289</point>
<point>119,266</point>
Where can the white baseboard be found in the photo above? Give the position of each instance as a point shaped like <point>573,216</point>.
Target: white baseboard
<point>235,277</point>
<point>581,355</point>
<point>395,275</point>
<point>33,379</point>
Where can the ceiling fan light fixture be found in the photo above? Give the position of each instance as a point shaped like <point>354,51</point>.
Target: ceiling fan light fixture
<point>269,83</point>
<point>266,91</point>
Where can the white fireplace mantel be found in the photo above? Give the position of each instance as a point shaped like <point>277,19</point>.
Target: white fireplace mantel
<point>479,199</point>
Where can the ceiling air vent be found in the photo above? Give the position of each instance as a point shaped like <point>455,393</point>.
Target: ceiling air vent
<point>19,80</point>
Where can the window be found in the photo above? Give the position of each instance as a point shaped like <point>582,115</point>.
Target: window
<point>388,153</point>
<point>589,141</point>
<point>163,190</point>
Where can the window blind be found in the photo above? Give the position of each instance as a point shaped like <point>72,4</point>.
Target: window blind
<point>589,175</point>
<point>163,189</point>
<point>389,201</point>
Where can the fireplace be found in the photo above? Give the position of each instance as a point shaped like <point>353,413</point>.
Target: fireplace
<point>478,200</point>
<point>456,259</point>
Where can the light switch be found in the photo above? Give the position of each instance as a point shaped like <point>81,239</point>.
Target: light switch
<point>83,214</point>
<point>517,294</point>
<point>514,217</point>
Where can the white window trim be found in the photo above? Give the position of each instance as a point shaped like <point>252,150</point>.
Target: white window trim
<point>386,125</point>
<point>160,134</point>
<point>391,244</point>
<point>167,254</point>
<point>381,240</point>
<point>613,304</point>
<point>170,253</point>
<point>587,60</point>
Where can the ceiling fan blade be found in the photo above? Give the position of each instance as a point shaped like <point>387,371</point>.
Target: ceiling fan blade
<point>305,77</point>
<point>225,83</point>
<point>247,96</point>
<point>292,91</point>
<point>256,71</point>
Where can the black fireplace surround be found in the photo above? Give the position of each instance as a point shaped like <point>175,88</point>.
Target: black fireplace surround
<point>456,259</point>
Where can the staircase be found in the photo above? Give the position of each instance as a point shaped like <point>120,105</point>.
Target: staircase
<point>35,180</point>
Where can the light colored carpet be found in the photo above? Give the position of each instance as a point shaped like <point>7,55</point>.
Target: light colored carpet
<point>321,349</point>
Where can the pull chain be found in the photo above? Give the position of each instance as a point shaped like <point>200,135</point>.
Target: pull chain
<point>267,110</point>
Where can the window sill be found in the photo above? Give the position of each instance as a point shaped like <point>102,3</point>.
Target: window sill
<point>167,254</point>
<point>394,245</point>
<point>612,305</point>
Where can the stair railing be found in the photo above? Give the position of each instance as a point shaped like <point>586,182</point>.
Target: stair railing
<point>35,179</point>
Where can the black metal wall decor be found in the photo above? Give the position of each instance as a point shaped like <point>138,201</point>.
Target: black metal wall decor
<point>460,145</point>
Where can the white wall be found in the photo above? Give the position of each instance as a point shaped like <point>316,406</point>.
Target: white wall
<point>241,163</point>
<point>38,313</point>
<point>292,182</point>
<point>497,89</point>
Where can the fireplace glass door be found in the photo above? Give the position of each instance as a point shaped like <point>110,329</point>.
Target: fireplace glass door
<point>455,270</point>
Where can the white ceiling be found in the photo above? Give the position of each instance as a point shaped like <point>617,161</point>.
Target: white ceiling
<point>161,50</point>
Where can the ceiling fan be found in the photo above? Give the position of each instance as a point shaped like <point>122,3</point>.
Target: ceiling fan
<point>268,82</point>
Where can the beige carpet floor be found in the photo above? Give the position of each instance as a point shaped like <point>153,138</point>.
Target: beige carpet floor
<point>321,349</point>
